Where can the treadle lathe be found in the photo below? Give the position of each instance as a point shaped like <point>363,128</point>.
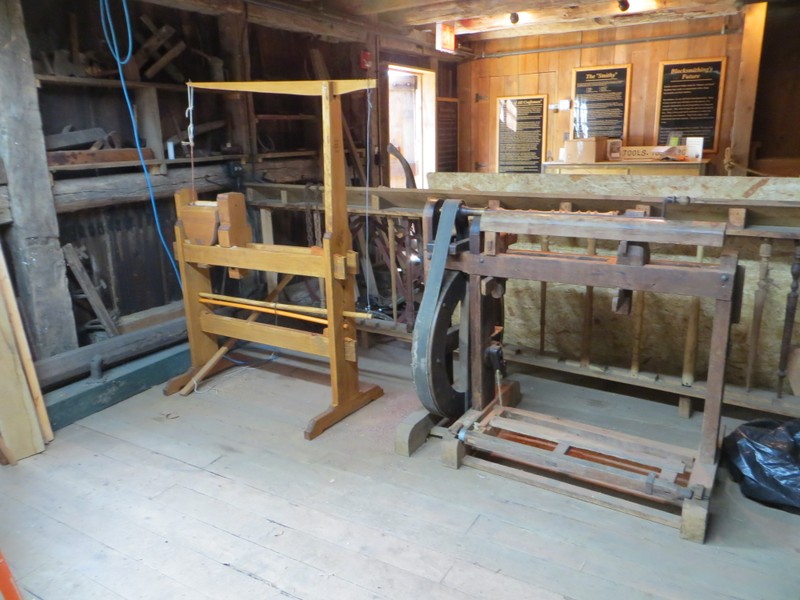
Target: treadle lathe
<point>469,257</point>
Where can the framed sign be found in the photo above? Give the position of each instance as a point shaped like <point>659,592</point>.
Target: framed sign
<point>521,132</point>
<point>447,135</point>
<point>600,96</point>
<point>690,100</point>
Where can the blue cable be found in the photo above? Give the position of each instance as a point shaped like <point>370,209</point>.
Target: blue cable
<point>111,39</point>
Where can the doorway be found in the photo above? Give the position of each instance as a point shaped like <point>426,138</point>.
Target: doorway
<point>412,123</point>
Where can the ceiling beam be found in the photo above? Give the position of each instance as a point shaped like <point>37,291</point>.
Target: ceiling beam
<point>582,17</point>
<point>290,17</point>
<point>376,7</point>
<point>433,12</point>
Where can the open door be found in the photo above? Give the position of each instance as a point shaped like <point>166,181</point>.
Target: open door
<point>412,123</point>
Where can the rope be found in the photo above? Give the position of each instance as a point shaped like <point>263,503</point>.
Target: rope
<point>111,40</point>
<point>190,132</point>
<point>368,155</point>
<point>729,165</point>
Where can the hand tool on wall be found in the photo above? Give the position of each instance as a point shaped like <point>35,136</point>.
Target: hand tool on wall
<point>765,252</point>
<point>788,322</point>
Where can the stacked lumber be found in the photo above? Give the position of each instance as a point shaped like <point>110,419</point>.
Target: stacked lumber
<point>24,425</point>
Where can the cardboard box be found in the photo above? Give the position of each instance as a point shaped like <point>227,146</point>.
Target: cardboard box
<point>586,150</point>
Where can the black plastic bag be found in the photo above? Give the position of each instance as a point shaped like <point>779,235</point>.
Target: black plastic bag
<point>765,459</point>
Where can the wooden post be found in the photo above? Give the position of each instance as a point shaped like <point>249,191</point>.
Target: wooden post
<point>715,385</point>
<point>321,72</point>
<point>148,117</point>
<point>234,43</point>
<point>765,252</point>
<point>543,300</point>
<point>33,237</point>
<point>638,326</point>
<point>755,16</point>
<point>268,237</point>
<point>588,312</point>
<point>690,348</point>
<point>339,293</point>
<point>392,264</point>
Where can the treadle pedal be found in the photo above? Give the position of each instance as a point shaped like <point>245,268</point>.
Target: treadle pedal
<point>592,455</point>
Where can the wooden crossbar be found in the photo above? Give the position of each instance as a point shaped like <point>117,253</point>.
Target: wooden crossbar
<point>282,259</point>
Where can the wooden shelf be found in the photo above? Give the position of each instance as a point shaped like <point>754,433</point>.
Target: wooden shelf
<point>287,154</point>
<point>151,162</point>
<point>620,167</point>
<point>106,83</point>
<point>286,118</point>
<point>112,83</point>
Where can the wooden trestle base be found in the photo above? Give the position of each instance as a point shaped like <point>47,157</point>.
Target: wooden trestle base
<point>216,234</point>
<point>522,444</point>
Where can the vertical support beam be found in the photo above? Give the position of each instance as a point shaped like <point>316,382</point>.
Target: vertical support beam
<point>33,238</point>
<point>588,312</point>
<point>239,110</point>
<point>195,279</point>
<point>543,299</point>
<point>481,382</point>
<point>340,293</point>
<point>149,122</point>
<point>391,234</point>
<point>715,385</point>
<point>268,237</point>
<point>744,108</point>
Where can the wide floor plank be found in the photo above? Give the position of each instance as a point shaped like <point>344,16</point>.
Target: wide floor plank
<point>218,495</point>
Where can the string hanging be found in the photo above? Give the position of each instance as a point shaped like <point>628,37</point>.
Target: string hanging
<point>368,156</point>
<point>190,131</point>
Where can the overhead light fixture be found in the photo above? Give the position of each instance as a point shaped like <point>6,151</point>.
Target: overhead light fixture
<point>514,18</point>
<point>623,5</point>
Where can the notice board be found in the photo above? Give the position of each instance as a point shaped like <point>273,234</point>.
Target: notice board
<point>521,132</point>
<point>447,135</point>
<point>600,96</point>
<point>690,100</point>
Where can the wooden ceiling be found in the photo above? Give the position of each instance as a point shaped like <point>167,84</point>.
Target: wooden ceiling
<point>484,19</point>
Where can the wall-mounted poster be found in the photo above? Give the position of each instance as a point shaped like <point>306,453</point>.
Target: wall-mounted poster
<point>690,100</point>
<point>600,96</point>
<point>447,135</point>
<point>521,132</point>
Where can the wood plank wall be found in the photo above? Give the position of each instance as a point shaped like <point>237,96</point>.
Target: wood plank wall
<point>483,80</point>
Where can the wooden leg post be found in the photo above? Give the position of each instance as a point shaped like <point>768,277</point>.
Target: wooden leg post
<point>340,293</point>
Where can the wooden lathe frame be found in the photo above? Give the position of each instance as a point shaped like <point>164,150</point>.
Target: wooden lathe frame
<point>335,263</point>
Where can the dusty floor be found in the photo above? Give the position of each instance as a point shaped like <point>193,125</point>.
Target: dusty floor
<point>219,496</point>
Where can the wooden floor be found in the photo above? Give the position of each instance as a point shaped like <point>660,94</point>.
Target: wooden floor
<point>219,496</point>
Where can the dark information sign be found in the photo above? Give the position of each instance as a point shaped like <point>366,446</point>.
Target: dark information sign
<point>447,135</point>
<point>600,101</point>
<point>690,99</point>
<point>521,134</point>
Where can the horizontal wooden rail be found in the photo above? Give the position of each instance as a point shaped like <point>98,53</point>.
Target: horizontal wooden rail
<point>604,227</point>
<point>294,260</point>
<point>603,272</point>
<point>262,333</point>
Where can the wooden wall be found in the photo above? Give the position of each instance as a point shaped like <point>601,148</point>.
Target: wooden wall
<point>777,120</point>
<point>483,80</point>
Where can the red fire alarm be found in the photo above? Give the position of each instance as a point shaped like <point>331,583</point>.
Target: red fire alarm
<point>365,60</point>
